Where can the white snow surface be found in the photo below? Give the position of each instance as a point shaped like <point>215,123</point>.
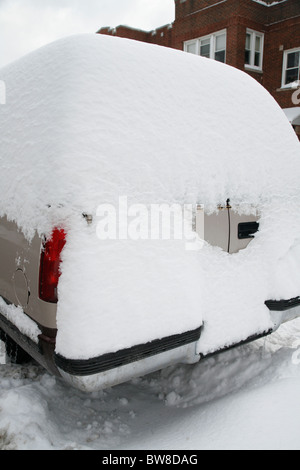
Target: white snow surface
<point>247,398</point>
<point>91,118</point>
<point>24,324</point>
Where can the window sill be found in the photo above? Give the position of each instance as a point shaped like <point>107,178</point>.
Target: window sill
<point>288,88</point>
<point>248,68</point>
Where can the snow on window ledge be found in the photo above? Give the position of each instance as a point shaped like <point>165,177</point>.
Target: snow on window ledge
<point>252,68</point>
<point>290,86</point>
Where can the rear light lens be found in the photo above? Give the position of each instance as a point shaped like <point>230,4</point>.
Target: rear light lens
<point>50,265</point>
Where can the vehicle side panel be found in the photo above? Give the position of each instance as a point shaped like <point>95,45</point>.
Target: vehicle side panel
<point>19,274</point>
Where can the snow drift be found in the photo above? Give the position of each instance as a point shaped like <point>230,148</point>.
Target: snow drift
<point>91,118</point>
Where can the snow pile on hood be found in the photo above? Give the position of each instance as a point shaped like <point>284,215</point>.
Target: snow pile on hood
<point>89,119</point>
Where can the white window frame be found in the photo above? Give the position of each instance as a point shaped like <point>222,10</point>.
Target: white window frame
<point>254,35</point>
<point>284,68</point>
<point>213,40</point>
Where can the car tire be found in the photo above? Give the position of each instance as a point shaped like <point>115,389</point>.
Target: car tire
<point>14,352</point>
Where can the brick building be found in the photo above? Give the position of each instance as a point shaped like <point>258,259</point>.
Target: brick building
<point>260,37</point>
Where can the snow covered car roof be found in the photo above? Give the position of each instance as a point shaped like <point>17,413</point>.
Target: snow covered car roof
<point>91,118</point>
<point>113,116</point>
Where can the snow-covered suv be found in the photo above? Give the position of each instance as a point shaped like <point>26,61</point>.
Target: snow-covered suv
<point>102,141</point>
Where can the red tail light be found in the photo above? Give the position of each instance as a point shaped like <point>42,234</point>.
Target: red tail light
<point>49,266</point>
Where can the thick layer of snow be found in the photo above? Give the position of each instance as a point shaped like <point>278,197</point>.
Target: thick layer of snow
<point>247,398</point>
<point>89,119</point>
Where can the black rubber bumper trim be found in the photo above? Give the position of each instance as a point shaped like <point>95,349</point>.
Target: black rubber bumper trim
<point>110,361</point>
<point>282,305</point>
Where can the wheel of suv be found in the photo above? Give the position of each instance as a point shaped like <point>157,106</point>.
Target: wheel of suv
<point>14,352</point>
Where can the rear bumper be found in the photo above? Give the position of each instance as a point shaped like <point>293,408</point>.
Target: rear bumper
<point>114,368</point>
<point>282,311</point>
<point>109,378</point>
<point>283,305</point>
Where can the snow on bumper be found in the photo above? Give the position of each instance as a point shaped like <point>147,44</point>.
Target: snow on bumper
<point>283,311</point>
<point>112,369</point>
<point>115,368</point>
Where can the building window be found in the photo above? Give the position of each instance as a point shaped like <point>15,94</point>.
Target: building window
<point>291,67</point>
<point>254,49</point>
<point>212,46</point>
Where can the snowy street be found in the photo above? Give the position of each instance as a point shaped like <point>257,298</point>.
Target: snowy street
<point>247,398</point>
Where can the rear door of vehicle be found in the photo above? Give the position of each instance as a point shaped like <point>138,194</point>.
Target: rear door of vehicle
<point>214,227</point>
<point>226,228</point>
<point>242,230</point>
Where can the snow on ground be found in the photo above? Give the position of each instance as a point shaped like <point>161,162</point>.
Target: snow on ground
<point>246,398</point>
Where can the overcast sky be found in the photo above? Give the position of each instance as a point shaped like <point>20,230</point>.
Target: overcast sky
<point>28,24</point>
